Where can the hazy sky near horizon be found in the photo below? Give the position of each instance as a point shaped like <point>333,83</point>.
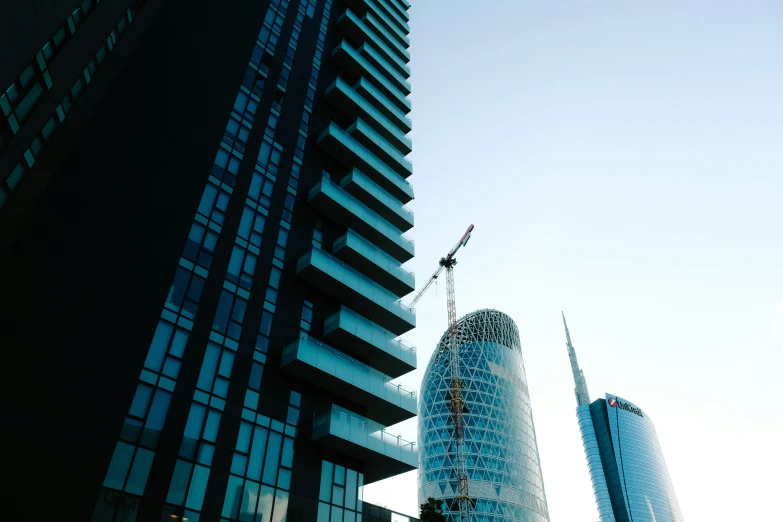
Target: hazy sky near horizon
<point>622,161</point>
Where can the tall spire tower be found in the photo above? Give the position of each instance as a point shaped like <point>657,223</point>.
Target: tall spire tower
<point>580,388</point>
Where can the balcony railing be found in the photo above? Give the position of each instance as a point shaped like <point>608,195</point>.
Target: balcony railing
<point>353,105</point>
<point>386,454</point>
<point>352,61</point>
<point>401,6</point>
<point>377,144</point>
<point>357,30</point>
<point>365,88</point>
<point>386,401</point>
<point>371,260</point>
<point>393,24</point>
<point>374,196</point>
<point>370,341</point>
<point>355,289</point>
<point>333,200</point>
<point>350,153</point>
<point>383,65</point>
<point>391,40</point>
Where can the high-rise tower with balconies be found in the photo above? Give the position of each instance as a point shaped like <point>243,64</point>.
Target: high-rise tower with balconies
<point>202,217</point>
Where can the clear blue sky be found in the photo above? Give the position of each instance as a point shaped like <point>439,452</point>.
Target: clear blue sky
<point>622,161</point>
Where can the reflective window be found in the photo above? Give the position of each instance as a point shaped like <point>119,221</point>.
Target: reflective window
<point>500,443</point>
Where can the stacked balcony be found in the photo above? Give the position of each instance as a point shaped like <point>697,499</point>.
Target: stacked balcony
<point>358,31</point>
<point>333,201</point>
<point>353,61</point>
<point>375,109</point>
<point>352,154</point>
<point>377,144</point>
<point>363,191</point>
<point>367,258</point>
<point>385,455</point>
<point>357,335</point>
<point>377,199</point>
<point>356,290</point>
<point>331,369</point>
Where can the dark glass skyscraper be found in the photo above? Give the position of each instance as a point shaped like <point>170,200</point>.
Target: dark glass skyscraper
<point>627,469</point>
<point>201,238</point>
<point>504,471</point>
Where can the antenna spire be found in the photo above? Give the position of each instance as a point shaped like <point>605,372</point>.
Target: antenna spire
<point>580,388</point>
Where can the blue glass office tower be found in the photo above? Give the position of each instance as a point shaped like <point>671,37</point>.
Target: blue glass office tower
<point>624,458</point>
<point>504,471</point>
<point>202,217</point>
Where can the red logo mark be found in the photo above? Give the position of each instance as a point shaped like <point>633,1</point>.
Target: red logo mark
<point>613,403</point>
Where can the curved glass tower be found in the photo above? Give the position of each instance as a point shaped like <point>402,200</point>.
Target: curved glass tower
<point>630,479</point>
<point>504,471</point>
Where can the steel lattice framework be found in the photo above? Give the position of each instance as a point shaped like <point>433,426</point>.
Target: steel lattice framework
<point>456,404</point>
<point>485,326</point>
<point>498,444</point>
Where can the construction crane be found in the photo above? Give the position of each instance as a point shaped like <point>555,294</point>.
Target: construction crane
<point>456,404</point>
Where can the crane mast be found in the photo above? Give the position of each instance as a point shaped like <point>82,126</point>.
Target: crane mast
<point>456,403</point>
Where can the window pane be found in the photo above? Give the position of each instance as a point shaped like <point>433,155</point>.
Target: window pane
<point>179,483</point>
<point>208,367</point>
<point>248,508</point>
<point>226,362</point>
<point>265,504</point>
<point>323,512</point>
<point>243,440</point>
<point>257,453</point>
<point>118,468</point>
<point>224,309</point>
<point>287,459</point>
<point>158,346</point>
<point>140,400</point>
<point>350,489</point>
<point>326,482</point>
<point>195,419</point>
<point>272,457</point>
<point>178,344</point>
<point>339,475</point>
<point>233,497</point>
<point>337,514</point>
<point>158,410</point>
<point>211,428</point>
<point>140,471</point>
<point>197,487</point>
<point>338,495</point>
<point>281,506</point>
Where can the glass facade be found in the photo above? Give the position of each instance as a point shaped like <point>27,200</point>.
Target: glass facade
<point>594,465</point>
<point>260,270</point>
<point>645,484</point>
<point>628,472</point>
<point>504,471</point>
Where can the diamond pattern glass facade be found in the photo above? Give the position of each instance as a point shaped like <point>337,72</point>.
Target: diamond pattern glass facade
<point>504,471</point>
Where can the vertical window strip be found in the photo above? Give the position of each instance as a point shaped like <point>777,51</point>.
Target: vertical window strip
<point>158,377</point>
<point>261,468</point>
<point>241,487</point>
<point>21,97</point>
<point>340,494</point>
<point>30,155</point>
<point>248,241</point>
<point>227,323</point>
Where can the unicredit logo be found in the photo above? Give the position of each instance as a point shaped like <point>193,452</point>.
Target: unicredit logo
<point>614,403</point>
